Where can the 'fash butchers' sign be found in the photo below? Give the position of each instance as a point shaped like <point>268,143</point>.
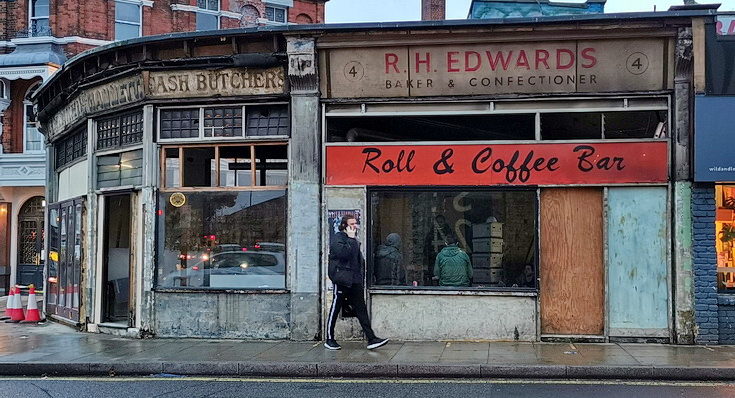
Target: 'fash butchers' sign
<point>496,68</point>
<point>502,164</point>
<point>206,83</point>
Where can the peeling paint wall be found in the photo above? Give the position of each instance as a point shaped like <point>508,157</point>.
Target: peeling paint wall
<point>425,317</point>
<point>223,315</point>
<point>683,273</point>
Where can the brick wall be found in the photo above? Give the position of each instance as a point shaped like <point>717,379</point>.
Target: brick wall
<point>433,10</point>
<point>706,314</point>
<point>306,12</point>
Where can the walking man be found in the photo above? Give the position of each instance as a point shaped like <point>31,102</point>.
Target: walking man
<point>347,272</point>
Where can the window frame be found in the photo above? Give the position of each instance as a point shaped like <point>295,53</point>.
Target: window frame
<point>27,129</point>
<point>207,11</point>
<point>371,287</point>
<point>33,18</point>
<point>253,187</point>
<point>118,145</point>
<point>201,128</point>
<point>139,4</point>
<point>275,8</point>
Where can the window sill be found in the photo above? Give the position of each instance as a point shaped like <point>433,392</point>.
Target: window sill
<point>434,291</point>
<point>223,290</point>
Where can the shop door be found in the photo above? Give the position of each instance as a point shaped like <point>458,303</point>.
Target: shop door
<point>65,252</point>
<point>572,270</point>
<point>637,262</point>
<point>116,268</point>
<point>30,243</point>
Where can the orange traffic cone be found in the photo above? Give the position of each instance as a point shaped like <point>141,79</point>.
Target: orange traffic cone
<point>16,313</point>
<point>9,304</point>
<point>32,315</point>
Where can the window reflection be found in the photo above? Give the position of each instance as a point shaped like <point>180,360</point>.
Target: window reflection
<point>222,240</point>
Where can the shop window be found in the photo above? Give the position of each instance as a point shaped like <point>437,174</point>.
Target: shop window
<point>494,231</point>
<point>71,148</point>
<point>643,124</point>
<point>65,253</point>
<point>226,166</point>
<point>571,126</point>
<point>207,14</point>
<point>222,240</point>
<point>725,237</point>
<point>431,128</point>
<point>120,169</point>
<point>225,122</point>
<point>128,18</point>
<point>118,131</point>
<point>275,14</point>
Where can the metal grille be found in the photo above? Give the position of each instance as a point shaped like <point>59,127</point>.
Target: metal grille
<point>223,122</point>
<point>120,130</point>
<point>180,123</point>
<point>267,120</point>
<point>28,239</point>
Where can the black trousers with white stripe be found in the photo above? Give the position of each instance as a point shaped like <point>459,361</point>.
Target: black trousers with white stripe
<point>354,295</point>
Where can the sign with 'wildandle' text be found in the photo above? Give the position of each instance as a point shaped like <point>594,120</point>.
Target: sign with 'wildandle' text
<point>498,68</point>
<point>502,164</point>
<point>224,82</point>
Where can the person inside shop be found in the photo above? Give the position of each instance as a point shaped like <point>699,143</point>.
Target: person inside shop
<point>434,242</point>
<point>347,272</point>
<point>388,262</point>
<point>452,266</point>
<point>527,277</point>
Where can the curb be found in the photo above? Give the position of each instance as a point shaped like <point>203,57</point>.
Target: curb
<point>369,370</point>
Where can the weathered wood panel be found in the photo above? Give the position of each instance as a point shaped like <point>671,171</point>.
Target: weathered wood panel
<point>572,269</point>
<point>637,261</point>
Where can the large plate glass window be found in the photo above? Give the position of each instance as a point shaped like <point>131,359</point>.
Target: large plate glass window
<point>229,232</point>
<point>452,239</point>
<point>65,253</point>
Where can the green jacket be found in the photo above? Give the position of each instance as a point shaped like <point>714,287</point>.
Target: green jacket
<point>453,267</point>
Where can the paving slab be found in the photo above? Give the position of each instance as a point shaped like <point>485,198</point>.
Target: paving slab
<point>56,350</point>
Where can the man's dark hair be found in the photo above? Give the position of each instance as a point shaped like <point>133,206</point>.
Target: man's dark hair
<point>343,223</point>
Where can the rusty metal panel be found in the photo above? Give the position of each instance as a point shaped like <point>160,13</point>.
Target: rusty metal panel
<point>637,261</point>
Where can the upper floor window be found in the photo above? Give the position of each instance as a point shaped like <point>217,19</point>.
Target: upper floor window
<point>128,17</point>
<point>72,147</point>
<point>33,139</point>
<point>4,89</point>
<point>39,23</point>
<point>207,14</point>
<point>120,130</point>
<point>224,122</point>
<point>275,14</point>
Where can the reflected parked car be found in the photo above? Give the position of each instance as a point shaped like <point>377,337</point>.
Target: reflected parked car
<point>235,270</point>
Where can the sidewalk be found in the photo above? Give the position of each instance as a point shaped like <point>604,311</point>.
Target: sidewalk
<point>55,350</point>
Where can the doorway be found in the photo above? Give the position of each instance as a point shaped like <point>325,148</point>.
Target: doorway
<point>117,260</point>
<point>30,242</point>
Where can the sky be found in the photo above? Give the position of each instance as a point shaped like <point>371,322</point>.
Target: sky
<point>339,11</point>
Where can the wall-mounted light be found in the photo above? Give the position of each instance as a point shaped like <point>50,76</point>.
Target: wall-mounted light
<point>43,203</point>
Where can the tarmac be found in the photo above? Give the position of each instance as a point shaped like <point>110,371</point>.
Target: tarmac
<point>53,349</point>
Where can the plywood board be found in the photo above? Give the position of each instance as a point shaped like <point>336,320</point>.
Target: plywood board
<point>572,269</point>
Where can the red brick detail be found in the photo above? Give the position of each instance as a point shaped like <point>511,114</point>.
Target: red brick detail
<point>433,10</point>
<point>301,9</point>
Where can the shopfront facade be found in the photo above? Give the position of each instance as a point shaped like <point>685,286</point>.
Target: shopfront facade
<point>714,188</point>
<point>176,210</point>
<point>556,165</point>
